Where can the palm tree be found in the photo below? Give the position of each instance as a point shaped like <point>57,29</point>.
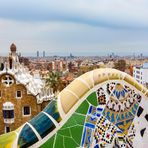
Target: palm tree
<point>54,81</point>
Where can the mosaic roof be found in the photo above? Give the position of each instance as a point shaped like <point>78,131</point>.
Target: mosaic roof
<point>34,86</point>
<point>102,108</point>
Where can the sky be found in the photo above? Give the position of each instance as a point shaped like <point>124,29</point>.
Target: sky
<point>80,27</point>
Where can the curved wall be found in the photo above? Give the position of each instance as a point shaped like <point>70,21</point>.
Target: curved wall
<point>104,107</point>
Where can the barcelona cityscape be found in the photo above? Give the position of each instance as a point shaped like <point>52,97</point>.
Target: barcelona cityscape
<point>74,74</point>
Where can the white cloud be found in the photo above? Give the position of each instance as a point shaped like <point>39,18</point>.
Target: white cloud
<point>70,26</point>
<point>118,13</point>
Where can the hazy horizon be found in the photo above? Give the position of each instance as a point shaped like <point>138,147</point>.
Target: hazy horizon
<point>98,53</point>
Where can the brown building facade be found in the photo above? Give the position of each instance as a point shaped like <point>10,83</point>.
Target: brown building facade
<point>24,106</point>
<point>20,94</point>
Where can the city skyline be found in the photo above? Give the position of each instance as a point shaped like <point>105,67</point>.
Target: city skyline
<point>78,27</point>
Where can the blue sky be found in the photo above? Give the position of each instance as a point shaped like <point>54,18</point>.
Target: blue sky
<point>81,27</point>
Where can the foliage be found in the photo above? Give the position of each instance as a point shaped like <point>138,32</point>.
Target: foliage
<point>54,81</point>
<point>84,69</point>
<point>120,65</point>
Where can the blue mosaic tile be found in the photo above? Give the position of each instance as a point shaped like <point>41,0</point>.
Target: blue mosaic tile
<point>90,125</point>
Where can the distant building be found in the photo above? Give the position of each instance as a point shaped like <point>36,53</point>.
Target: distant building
<point>22,96</point>
<point>140,73</point>
<point>24,60</point>
<point>37,54</point>
<point>44,54</point>
<point>57,65</point>
<point>71,56</point>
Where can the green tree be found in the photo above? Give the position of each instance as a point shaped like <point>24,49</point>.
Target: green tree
<point>54,81</point>
<point>120,65</point>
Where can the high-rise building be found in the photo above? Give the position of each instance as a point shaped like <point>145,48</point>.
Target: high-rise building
<point>38,54</point>
<point>44,54</point>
